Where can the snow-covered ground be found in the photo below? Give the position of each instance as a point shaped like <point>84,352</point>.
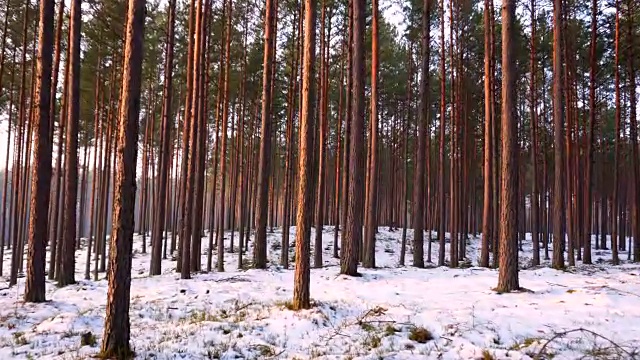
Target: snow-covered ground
<point>381,315</point>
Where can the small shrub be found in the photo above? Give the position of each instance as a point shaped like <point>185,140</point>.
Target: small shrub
<point>373,342</point>
<point>224,314</point>
<point>486,355</point>
<point>367,327</point>
<point>390,330</point>
<point>197,316</point>
<point>19,339</point>
<point>266,351</point>
<point>598,352</point>
<point>214,354</point>
<point>525,343</point>
<point>317,353</point>
<point>285,304</point>
<point>88,339</point>
<point>420,335</point>
<point>240,316</point>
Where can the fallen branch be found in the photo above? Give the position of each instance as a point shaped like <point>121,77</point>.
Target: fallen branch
<point>619,291</point>
<point>376,311</point>
<point>235,278</point>
<point>239,308</point>
<point>565,333</point>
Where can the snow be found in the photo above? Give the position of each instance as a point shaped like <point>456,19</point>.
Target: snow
<point>243,313</point>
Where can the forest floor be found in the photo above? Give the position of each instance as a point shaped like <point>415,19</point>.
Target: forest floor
<point>391,312</point>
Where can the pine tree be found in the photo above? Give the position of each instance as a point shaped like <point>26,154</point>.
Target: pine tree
<point>369,258</point>
<point>488,212</point>
<point>535,238</point>
<point>558,126</point>
<point>421,149</point>
<point>301,292</point>
<point>353,235</point>
<point>508,275</point>
<point>165,157</point>
<point>592,127</point>
<point>117,327</point>
<point>264,162</point>
<point>35,284</point>
<point>67,270</point>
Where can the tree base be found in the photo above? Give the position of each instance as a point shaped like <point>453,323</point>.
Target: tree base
<point>35,298</point>
<point>118,353</point>
<point>515,291</point>
<point>354,274</point>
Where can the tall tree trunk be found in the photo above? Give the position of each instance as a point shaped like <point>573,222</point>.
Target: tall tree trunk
<point>558,127</point>
<point>53,208</point>
<point>508,275</point>
<point>243,164</point>
<point>635,207</point>
<point>94,175</point>
<point>421,150</point>
<point>198,112</point>
<point>5,239</point>
<point>56,65</point>
<point>83,191</point>
<point>301,292</point>
<point>142,198</point>
<point>264,162</point>
<point>405,198</point>
<point>117,326</point>
<point>165,141</point>
<point>338,152</point>
<point>223,145</point>
<point>58,194</point>
<point>353,238</point>
<point>495,229</point>
<point>369,252</point>
<point>488,212</point>
<point>18,181</point>
<point>443,110</point>
<point>67,270</point>
<point>288,184</point>
<point>592,127</point>
<point>41,177</point>
<point>186,132</point>
<point>535,237</point>
<point>193,149</point>
<point>347,129</point>
<point>616,185</point>
<point>454,129</point>
<point>321,141</point>
<point>215,156</point>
